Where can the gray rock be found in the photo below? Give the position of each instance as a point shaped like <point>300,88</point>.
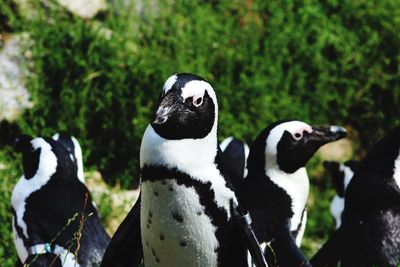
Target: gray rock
<point>14,96</point>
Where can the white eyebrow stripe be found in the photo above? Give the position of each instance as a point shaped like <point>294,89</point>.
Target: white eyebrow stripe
<point>194,88</point>
<point>169,83</point>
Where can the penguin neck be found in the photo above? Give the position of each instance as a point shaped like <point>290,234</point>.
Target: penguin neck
<point>192,156</point>
<point>296,185</point>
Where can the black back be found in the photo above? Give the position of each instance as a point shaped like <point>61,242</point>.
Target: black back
<point>234,158</point>
<point>371,217</point>
<point>48,209</point>
<point>370,232</point>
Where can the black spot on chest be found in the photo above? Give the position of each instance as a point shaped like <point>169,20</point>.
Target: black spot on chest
<point>178,217</point>
<point>231,251</point>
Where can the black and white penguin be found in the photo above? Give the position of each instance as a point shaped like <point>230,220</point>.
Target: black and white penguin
<point>234,158</point>
<point>186,207</point>
<point>341,174</point>
<point>54,220</point>
<point>370,230</point>
<point>275,190</point>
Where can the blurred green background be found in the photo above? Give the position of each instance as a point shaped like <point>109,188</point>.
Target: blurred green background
<point>323,62</point>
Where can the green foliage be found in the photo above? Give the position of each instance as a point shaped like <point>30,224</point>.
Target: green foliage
<point>8,16</point>
<point>9,175</point>
<point>319,62</point>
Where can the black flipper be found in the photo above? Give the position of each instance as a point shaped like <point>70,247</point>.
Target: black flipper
<point>330,252</point>
<point>243,221</point>
<point>125,248</point>
<point>285,250</point>
<point>234,158</point>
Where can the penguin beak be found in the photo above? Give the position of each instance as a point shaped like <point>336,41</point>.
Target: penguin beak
<point>326,134</point>
<point>169,104</point>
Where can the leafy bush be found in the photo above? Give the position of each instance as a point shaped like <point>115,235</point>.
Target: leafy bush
<point>319,62</point>
<point>9,175</point>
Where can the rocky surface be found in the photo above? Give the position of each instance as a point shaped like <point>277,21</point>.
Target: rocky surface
<point>14,96</point>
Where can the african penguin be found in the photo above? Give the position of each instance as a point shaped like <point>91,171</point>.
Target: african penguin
<point>186,205</point>
<point>341,174</point>
<point>276,188</point>
<point>370,231</point>
<point>53,217</point>
<point>234,157</point>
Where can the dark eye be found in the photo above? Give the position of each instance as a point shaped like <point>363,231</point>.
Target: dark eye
<point>297,135</point>
<point>197,101</point>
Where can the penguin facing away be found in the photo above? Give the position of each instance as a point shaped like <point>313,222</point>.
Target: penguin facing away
<point>73,147</point>
<point>341,174</point>
<point>184,216</point>
<point>275,190</point>
<point>234,158</point>
<point>370,230</point>
<point>46,197</point>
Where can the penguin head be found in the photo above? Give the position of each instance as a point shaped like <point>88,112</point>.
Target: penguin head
<point>288,145</point>
<point>187,108</point>
<point>43,157</point>
<point>71,144</point>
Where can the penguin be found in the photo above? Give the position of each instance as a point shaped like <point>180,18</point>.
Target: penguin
<point>276,188</point>
<point>370,231</point>
<point>54,221</point>
<point>341,174</point>
<point>185,213</point>
<point>234,154</point>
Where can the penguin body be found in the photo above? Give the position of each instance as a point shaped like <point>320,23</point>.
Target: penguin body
<point>44,199</point>
<point>371,219</point>
<point>370,230</point>
<point>341,174</point>
<point>234,157</point>
<point>276,188</point>
<point>186,204</point>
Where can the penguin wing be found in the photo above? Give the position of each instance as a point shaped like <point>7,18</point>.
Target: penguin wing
<point>125,248</point>
<point>234,160</point>
<point>330,252</point>
<point>285,250</point>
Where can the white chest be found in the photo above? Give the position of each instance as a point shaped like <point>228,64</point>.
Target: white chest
<point>175,230</point>
<point>296,186</point>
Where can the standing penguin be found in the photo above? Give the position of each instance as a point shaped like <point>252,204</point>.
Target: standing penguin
<point>234,158</point>
<point>54,221</point>
<point>370,230</point>
<point>341,174</point>
<point>275,190</point>
<point>186,210</point>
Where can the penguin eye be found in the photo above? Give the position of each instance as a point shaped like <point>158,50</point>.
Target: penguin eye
<point>197,101</point>
<point>298,136</point>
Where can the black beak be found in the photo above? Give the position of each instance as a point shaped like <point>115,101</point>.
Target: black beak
<point>326,134</point>
<point>169,104</point>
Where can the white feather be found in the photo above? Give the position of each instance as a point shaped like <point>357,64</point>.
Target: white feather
<point>396,174</point>
<point>196,230</point>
